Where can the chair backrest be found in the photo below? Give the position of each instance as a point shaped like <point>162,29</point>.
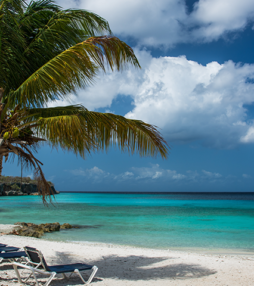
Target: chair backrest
<point>36,257</point>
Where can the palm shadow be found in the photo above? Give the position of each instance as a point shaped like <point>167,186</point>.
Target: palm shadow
<point>133,268</point>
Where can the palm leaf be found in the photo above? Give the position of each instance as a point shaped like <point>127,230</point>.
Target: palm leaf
<point>76,129</point>
<point>74,68</point>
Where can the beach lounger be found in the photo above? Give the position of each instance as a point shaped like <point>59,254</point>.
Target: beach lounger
<point>36,259</point>
<point>8,249</point>
<point>3,245</point>
<point>12,256</point>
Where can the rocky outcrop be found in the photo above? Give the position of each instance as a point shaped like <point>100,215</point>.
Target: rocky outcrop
<point>38,230</point>
<point>66,226</point>
<point>11,186</point>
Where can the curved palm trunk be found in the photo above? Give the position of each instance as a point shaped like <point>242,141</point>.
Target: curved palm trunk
<point>1,140</point>
<point>1,165</point>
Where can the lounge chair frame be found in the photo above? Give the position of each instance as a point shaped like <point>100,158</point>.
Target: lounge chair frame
<point>13,258</point>
<point>42,264</point>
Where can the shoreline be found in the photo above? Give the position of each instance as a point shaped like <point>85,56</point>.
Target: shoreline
<point>4,228</point>
<point>127,266</point>
<point>193,250</point>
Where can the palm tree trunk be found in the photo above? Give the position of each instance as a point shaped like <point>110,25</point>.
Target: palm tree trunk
<point>1,165</point>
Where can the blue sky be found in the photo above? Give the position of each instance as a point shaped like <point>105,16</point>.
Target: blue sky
<point>196,84</point>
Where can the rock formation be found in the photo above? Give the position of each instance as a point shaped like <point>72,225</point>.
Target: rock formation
<point>11,186</point>
<point>38,230</point>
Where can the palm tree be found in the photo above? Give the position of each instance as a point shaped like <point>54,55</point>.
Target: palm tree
<point>47,53</point>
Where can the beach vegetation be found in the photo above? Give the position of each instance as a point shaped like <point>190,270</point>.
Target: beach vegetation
<point>46,54</point>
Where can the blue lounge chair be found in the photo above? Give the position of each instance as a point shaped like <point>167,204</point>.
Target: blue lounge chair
<point>36,258</point>
<point>12,256</point>
<point>8,249</point>
<point>3,245</point>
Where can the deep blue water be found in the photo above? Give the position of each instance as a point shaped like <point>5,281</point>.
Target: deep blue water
<point>203,221</point>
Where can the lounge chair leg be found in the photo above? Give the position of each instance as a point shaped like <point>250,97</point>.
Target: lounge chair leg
<point>37,283</point>
<point>95,268</point>
<point>65,276</point>
<point>31,272</point>
<point>17,273</point>
<point>28,277</point>
<point>50,278</point>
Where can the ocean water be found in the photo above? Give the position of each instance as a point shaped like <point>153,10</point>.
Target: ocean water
<point>166,221</point>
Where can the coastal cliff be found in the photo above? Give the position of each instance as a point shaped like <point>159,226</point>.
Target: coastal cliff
<point>11,186</point>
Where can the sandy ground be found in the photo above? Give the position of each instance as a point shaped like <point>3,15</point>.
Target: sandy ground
<point>127,266</point>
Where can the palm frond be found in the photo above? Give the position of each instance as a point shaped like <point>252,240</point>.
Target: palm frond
<point>76,129</point>
<point>45,54</point>
<point>74,68</point>
<point>11,42</point>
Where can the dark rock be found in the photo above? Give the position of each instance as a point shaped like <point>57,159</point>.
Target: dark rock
<point>11,186</point>
<point>49,227</point>
<point>13,193</point>
<point>34,230</point>
<point>65,226</point>
<point>30,231</point>
<point>86,226</point>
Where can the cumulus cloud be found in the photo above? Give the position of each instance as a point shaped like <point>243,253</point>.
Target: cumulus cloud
<point>152,173</point>
<point>249,137</point>
<point>166,23</point>
<point>155,172</point>
<point>212,175</point>
<point>188,101</point>
<point>216,17</point>
<point>94,173</point>
<point>193,102</point>
<point>124,176</point>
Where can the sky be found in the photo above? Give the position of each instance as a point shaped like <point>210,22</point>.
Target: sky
<point>196,84</point>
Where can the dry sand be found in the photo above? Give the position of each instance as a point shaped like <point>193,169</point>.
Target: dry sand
<point>127,266</point>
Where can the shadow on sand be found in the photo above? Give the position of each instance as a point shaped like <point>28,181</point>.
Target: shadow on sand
<point>132,268</point>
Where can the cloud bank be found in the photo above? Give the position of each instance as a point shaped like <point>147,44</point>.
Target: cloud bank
<point>190,102</point>
<point>166,23</point>
<point>152,174</point>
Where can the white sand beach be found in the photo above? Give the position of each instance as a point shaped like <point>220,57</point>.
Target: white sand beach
<point>127,266</point>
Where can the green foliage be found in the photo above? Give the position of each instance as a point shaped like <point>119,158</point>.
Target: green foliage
<point>9,180</point>
<point>6,135</point>
<point>46,53</point>
<point>15,132</point>
<point>15,187</point>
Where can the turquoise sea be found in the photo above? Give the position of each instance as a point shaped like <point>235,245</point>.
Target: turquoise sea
<point>172,221</point>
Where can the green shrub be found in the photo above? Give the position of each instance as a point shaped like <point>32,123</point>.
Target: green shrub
<point>15,187</point>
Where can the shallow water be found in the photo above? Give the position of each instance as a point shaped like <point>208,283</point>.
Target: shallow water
<point>180,221</point>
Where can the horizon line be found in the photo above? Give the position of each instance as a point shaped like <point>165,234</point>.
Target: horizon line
<point>112,192</point>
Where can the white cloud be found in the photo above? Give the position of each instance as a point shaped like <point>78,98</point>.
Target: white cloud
<point>157,175</point>
<point>156,172</point>
<point>212,175</point>
<point>94,173</point>
<point>246,176</point>
<point>124,176</point>
<point>188,101</point>
<point>164,22</point>
<point>249,137</point>
<point>194,102</point>
<point>151,174</point>
<point>174,175</point>
<point>217,17</point>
